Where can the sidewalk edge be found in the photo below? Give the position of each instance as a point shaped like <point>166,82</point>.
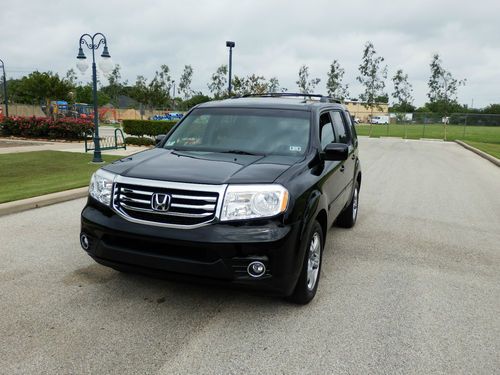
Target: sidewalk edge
<point>483,154</point>
<point>41,201</point>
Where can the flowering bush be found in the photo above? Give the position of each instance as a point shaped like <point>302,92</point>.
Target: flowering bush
<point>45,127</point>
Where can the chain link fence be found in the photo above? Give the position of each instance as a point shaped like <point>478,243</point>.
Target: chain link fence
<point>475,127</point>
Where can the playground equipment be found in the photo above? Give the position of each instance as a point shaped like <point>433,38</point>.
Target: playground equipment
<point>169,116</point>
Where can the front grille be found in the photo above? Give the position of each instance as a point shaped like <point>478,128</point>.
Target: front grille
<point>187,207</point>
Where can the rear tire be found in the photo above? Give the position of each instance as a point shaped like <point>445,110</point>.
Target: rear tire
<point>348,217</point>
<point>307,285</point>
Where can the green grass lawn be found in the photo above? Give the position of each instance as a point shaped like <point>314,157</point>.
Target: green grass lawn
<point>29,174</point>
<point>490,148</point>
<point>486,134</point>
<point>485,138</point>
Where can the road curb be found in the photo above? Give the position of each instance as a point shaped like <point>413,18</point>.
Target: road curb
<point>483,154</point>
<point>41,201</point>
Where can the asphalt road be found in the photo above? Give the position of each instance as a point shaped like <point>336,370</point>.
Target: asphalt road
<point>414,288</point>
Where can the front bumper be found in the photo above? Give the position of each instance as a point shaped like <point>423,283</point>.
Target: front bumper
<point>217,252</point>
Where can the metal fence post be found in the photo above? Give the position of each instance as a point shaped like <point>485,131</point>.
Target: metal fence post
<point>465,126</point>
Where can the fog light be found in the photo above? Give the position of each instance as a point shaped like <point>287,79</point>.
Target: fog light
<point>256,269</point>
<point>84,241</point>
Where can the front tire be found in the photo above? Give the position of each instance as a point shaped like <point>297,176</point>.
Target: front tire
<point>307,285</point>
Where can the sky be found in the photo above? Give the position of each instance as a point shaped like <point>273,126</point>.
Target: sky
<point>273,38</point>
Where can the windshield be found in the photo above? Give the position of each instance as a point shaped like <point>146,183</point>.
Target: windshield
<point>243,131</point>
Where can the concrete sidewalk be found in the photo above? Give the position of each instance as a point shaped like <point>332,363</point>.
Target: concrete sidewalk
<point>31,145</point>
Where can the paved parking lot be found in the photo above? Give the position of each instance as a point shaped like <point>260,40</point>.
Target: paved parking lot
<point>413,288</point>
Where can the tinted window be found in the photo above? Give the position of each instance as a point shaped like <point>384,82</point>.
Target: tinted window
<point>326,130</point>
<point>352,128</point>
<point>258,131</point>
<point>340,127</point>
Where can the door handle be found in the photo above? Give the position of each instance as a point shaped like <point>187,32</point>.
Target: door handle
<point>342,168</point>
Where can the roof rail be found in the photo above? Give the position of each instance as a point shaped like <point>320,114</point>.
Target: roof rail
<point>322,98</point>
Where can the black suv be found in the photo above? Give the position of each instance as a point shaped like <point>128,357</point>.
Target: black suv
<point>240,191</point>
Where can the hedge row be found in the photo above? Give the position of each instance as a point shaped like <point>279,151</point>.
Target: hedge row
<point>45,127</point>
<point>147,127</point>
<point>139,141</point>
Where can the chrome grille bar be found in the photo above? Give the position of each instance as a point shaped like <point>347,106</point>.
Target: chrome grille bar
<point>191,206</point>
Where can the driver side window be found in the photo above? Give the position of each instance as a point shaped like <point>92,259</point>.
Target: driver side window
<point>326,130</point>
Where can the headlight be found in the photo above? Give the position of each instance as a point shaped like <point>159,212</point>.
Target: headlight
<point>101,186</point>
<point>253,201</point>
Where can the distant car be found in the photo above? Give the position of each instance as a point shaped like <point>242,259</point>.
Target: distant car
<point>167,117</point>
<point>380,120</point>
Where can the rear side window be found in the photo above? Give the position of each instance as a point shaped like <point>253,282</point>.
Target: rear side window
<point>326,129</point>
<point>340,127</point>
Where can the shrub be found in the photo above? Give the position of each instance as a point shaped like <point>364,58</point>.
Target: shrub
<point>147,127</point>
<point>139,141</point>
<point>45,127</point>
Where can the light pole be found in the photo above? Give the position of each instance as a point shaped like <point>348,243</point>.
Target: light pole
<point>231,46</point>
<point>446,118</point>
<point>173,96</point>
<point>5,90</point>
<point>93,42</point>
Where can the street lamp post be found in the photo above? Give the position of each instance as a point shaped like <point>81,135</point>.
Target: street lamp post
<point>173,96</point>
<point>231,46</point>
<point>93,42</point>
<point>5,90</point>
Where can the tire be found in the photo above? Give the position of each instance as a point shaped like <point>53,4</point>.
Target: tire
<point>308,281</point>
<point>348,216</point>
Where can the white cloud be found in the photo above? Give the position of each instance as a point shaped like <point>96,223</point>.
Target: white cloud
<point>273,38</point>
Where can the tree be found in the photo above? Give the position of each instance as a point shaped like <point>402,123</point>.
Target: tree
<point>306,86</point>
<point>159,88</point>
<point>185,82</point>
<point>196,99</point>
<point>443,86</point>
<point>257,84</point>
<point>42,87</point>
<point>402,93</point>
<point>71,77</point>
<point>84,94</point>
<point>240,86</point>
<point>372,76</point>
<point>139,91</point>
<point>492,109</point>
<point>274,85</point>
<point>218,83</point>
<point>334,86</point>
<point>114,87</point>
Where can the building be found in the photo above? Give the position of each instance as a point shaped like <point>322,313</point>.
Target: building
<point>362,112</point>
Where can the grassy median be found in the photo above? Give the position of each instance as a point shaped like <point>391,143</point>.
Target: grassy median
<point>487,134</point>
<point>490,148</point>
<point>485,138</point>
<point>30,174</point>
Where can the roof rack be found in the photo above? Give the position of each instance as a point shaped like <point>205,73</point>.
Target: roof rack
<point>322,98</point>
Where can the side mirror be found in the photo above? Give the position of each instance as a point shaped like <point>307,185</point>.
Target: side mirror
<point>159,138</point>
<point>336,152</point>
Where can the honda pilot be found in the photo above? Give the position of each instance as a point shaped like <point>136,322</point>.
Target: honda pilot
<point>241,191</point>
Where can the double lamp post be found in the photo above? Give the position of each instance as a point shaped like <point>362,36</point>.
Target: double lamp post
<point>93,42</point>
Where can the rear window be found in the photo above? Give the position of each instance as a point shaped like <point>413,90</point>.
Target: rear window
<point>256,131</point>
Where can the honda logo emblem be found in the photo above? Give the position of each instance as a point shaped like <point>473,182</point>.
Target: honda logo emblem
<point>160,202</point>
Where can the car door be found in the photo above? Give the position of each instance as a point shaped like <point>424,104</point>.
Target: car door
<point>342,131</point>
<point>332,177</point>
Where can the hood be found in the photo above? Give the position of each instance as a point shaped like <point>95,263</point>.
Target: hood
<point>202,167</point>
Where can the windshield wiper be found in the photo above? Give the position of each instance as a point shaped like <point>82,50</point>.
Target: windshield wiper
<point>239,152</point>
